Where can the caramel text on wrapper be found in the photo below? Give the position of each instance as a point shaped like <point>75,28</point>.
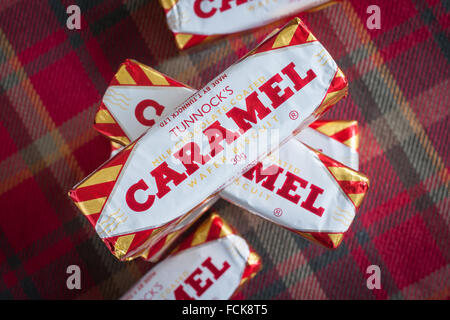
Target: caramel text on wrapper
<point>292,181</point>
<point>189,154</point>
<point>200,285</point>
<point>225,6</point>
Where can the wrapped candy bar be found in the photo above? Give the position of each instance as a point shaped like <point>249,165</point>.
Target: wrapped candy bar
<point>135,100</point>
<point>212,262</point>
<point>195,21</point>
<point>302,190</point>
<point>336,139</point>
<point>143,192</point>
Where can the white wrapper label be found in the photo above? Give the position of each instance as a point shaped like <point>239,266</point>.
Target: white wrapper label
<point>210,271</point>
<point>210,17</point>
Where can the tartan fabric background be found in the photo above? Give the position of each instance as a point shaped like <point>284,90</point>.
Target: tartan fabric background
<point>52,80</point>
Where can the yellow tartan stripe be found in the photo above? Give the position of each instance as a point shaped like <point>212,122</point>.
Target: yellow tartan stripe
<point>404,105</point>
<point>27,90</point>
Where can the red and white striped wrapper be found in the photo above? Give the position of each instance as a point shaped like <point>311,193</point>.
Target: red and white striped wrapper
<point>145,192</point>
<point>135,100</point>
<point>211,263</point>
<point>197,21</point>
<point>337,139</point>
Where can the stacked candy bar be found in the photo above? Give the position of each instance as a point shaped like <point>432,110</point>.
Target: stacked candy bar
<point>337,140</point>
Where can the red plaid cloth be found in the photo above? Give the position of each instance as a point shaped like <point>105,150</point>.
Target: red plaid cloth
<point>52,80</point>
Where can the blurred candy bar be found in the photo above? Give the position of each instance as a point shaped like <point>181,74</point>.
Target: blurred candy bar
<point>211,263</point>
<point>144,192</point>
<point>196,21</point>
